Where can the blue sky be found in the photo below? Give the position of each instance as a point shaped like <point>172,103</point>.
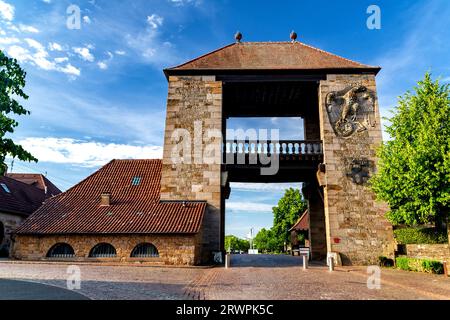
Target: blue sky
<point>99,93</point>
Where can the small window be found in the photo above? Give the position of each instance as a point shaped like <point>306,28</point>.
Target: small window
<point>61,250</point>
<point>103,250</point>
<point>5,188</point>
<point>145,250</point>
<point>136,181</point>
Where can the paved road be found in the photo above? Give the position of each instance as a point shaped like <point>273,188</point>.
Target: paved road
<point>261,277</point>
<point>25,290</point>
<point>265,261</point>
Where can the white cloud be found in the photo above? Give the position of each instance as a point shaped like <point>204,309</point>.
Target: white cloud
<point>248,206</point>
<point>155,21</point>
<point>120,52</point>
<point>87,20</point>
<point>85,153</point>
<point>264,186</point>
<point>40,58</point>
<point>102,65</point>
<point>6,11</point>
<point>47,1</point>
<point>19,53</point>
<point>179,3</point>
<point>9,40</point>
<point>30,29</point>
<point>70,70</point>
<point>85,53</point>
<point>35,44</point>
<point>61,60</point>
<point>54,46</point>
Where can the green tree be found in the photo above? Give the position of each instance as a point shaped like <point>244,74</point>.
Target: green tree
<point>266,241</point>
<point>12,81</point>
<point>289,208</point>
<point>235,243</point>
<point>414,168</point>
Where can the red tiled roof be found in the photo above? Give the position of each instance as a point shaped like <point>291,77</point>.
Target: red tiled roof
<point>37,180</point>
<point>270,56</point>
<point>302,222</point>
<point>21,199</point>
<point>133,209</point>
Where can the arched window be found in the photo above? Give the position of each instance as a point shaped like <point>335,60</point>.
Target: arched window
<point>61,250</point>
<point>103,250</point>
<point>145,250</point>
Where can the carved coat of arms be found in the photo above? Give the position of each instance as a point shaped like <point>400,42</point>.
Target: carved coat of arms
<point>359,170</point>
<point>351,110</point>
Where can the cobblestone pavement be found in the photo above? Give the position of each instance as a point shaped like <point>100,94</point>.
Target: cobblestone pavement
<point>250,277</point>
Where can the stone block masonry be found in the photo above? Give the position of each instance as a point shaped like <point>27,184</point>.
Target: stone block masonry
<point>172,249</point>
<point>194,105</point>
<point>355,222</point>
<point>440,252</point>
<point>8,222</point>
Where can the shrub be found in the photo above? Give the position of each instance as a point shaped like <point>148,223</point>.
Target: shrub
<point>420,265</point>
<point>420,236</point>
<point>385,261</point>
<point>432,266</point>
<point>402,263</point>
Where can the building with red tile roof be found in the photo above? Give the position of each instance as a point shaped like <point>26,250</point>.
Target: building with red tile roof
<point>17,201</point>
<point>269,56</point>
<point>37,180</point>
<point>119,203</point>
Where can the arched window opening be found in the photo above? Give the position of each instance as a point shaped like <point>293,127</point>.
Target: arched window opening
<point>103,250</point>
<point>61,250</point>
<point>145,250</point>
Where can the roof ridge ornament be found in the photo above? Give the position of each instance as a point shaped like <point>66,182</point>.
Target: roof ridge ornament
<point>293,36</point>
<point>238,37</point>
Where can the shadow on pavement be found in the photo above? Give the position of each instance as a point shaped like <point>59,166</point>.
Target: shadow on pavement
<point>268,261</point>
<point>24,290</point>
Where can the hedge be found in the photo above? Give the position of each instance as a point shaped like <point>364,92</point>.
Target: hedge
<point>419,236</point>
<point>420,265</point>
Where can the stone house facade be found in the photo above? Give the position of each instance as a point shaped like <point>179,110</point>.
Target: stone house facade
<point>114,215</point>
<point>20,195</point>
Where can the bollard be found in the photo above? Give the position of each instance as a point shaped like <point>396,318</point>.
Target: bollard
<point>227,261</point>
<point>305,262</point>
<point>445,268</point>
<point>330,263</point>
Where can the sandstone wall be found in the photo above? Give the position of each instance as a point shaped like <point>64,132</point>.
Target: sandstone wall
<point>356,227</point>
<point>173,249</point>
<point>440,252</point>
<point>194,105</point>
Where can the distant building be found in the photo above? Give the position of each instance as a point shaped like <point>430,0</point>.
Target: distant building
<point>114,214</point>
<point>20,195</point>
<point>36,180</point>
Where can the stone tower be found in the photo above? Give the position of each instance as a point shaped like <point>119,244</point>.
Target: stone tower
<point>337,100</point>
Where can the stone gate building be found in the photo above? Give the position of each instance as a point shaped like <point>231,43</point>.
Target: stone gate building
<point>337,100</point>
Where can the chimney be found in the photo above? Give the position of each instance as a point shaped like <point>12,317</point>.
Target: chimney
<point>105,199</point>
